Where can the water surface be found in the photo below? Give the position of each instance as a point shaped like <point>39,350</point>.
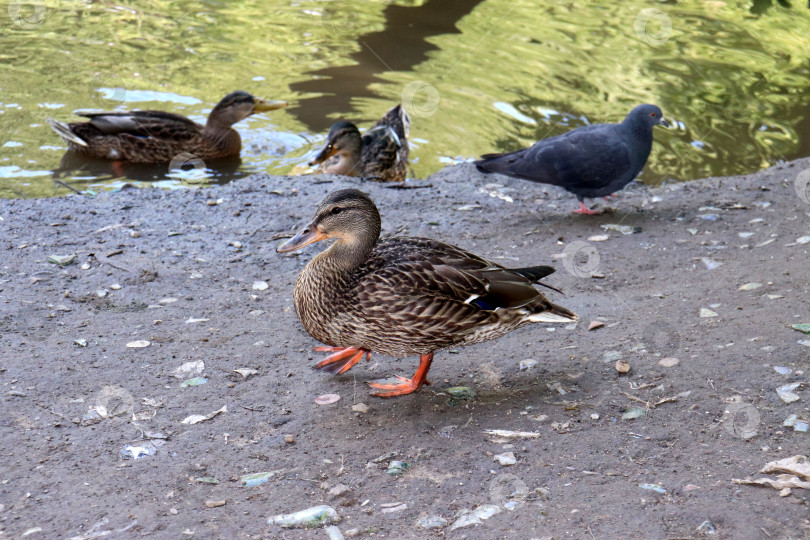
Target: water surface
<point>476,76</point>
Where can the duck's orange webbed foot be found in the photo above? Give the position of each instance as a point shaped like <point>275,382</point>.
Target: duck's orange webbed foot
<point>341,360</point>
<point>408,386</point>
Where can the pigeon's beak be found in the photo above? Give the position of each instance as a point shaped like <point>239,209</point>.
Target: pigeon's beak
<point>663,122</point>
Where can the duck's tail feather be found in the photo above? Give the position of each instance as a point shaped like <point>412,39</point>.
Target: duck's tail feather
<point>554,314</point>
<point>64,131</point>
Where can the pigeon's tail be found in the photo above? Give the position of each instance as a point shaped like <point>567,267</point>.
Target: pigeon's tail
<point>65,132</point>
<point>494,163</point>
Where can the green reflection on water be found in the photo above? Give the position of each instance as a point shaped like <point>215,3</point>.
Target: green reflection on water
<point>477,76</point>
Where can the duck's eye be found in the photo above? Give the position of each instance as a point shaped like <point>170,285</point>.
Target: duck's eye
<point>336,210</point>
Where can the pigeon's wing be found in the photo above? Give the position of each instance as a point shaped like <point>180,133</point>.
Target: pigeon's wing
<point>581,160</point>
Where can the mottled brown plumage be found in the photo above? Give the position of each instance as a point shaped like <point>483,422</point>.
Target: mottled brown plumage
<point>404,296</point>
<point>380,154</point>
<point>159,137</point>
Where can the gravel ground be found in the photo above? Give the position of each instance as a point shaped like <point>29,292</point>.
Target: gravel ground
<point>195,274</point>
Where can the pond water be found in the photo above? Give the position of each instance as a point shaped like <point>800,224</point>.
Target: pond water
<point>476,77</point>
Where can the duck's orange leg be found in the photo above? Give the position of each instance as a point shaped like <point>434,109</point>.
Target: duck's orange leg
<point>341,360</point>
<point>408,385</point>
<point>118,169</point>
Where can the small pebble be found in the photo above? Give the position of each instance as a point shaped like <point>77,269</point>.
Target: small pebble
<point>786,394</point>
<point>750,286</point>
<point>610,356</point>
<point>595,324</point>
<point>505,459</point>
<point>668,362</point>
<point>528,363</point>
<point>214,504</point>
<point>634,412</point>
<point>360,407</point>
<point>707,313</point>
<point>134,234</point>
<point>327,399</point>
<point>431,522</point>
<point>338,491</point>
<point>622,366</point>
<point>289,439</point>
<point>710,264</point>
<point>390,508</point>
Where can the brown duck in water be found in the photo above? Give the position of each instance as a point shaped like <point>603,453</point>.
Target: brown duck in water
<point>380,154</point>
<point>404,296</point>
<point>158,137</point>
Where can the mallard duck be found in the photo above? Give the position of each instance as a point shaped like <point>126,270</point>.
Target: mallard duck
<point>590,161</point>
<point>157,136</point>
<point>404,296</point>
<point>380,154</point>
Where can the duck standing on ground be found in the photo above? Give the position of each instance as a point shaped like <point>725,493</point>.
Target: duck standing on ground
<point>591,161</point>
<point>380,154</point>
<point>157,136</point>
<point>404,296</point>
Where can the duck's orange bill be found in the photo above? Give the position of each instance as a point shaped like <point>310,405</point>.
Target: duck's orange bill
<point>262,105</point>
<point>305,236</point>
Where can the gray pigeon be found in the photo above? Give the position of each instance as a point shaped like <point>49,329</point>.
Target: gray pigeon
<point>591,161</point>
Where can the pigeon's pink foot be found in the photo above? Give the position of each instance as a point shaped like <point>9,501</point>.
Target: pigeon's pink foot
<point>585,210</point>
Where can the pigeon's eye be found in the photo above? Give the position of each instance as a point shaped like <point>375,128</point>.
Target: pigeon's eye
<point>652,114</point>
<point>336,210</point>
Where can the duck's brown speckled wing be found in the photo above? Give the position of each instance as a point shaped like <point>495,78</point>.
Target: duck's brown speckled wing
<point>436,295</point>
<point>455,274</point>
<point>157,124</point>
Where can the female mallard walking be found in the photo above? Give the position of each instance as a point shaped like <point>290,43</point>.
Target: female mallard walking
<point>158,137</point>
<point>380,154</point>
<point>404,296</point>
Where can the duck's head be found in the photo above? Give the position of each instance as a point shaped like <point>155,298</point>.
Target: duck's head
<point>348,215</point>
<point>647,115</point>
<point>237,106</point>
<point>344,141</point>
